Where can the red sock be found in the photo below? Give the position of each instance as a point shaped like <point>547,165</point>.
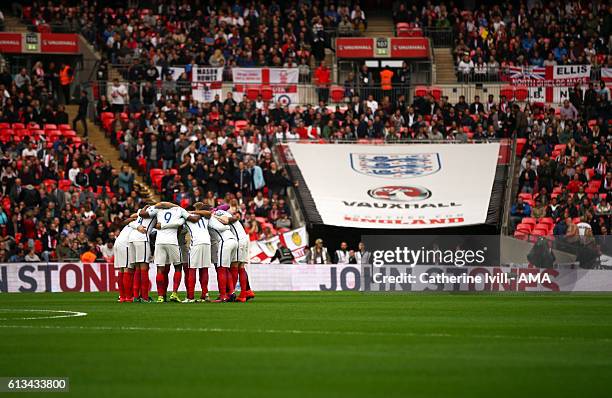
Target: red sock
<point>159,281</point>
<point>120,284</point>
<point>230,281</point>
<point>176,281</point>
<point>191,280</point>
<point>244,282</point>
<point>204,281</point>
<point>234,273</point>
<point>221,281</point>
<point>137,283</point>
<point>144,284</point>
<point>128,281</point>
<point>166,279</point>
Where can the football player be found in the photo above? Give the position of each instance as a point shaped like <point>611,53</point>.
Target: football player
<point>170,218</point>
<point>241,255</point>
<point>199,252</point>
<point>223,249</point>
<point>140,256</point>
<point>121,255</point>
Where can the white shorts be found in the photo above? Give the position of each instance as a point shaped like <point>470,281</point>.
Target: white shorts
<point>226,252</point>
<point>122,257</point>
<point>199,256</point>
<point>243,251</point>
<point>140,252</point>
<point>166,254</point>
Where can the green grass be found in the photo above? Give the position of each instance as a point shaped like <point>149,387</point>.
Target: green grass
<point>316,344</point>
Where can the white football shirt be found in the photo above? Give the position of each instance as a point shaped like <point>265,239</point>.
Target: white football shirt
<point>199,232</point>
<point>236,227</point>
<point>173,215</point>
<point>148,223</point>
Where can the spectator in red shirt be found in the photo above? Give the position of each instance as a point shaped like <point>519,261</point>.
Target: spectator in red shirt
<point>323,79</point>
<point>575,184</point>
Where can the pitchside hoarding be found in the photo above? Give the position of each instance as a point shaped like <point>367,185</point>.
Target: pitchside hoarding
<point>78,277</point>
<point>399,186</point>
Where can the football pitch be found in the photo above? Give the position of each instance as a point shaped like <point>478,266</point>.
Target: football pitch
<point>296,344</point>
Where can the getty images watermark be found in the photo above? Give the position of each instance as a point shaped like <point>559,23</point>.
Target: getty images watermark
<point>471,263</point>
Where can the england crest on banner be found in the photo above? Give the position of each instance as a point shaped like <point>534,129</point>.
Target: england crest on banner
<point>396,165</point>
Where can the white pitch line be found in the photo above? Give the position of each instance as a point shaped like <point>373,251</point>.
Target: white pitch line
<point>306,332</point>
<point>62,314</point>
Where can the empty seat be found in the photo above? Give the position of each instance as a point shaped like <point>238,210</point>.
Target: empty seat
<point>252,93</point>
<point>521,93</point>
<point>436,92</point>
<point>508,92</point>
<point>337,93</point>
<point>420,91</point>
<point>266,93</point>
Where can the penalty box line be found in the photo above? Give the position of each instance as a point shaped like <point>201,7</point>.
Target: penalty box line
<point>305,332</point>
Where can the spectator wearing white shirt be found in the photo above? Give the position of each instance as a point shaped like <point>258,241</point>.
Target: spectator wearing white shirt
<point>73,172</point>
<point>465,68</point>
<point>372,103</point>
<point>118,95</point>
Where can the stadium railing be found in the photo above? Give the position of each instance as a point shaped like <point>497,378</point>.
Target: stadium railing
<point>440,37</point>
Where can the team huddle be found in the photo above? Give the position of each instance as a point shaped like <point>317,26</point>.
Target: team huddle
<point>168,235</point>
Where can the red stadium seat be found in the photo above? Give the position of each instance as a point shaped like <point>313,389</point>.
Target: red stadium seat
<point>50,127</point>
<point>63,127</point>
<point>420,91</point>
<point>142,163</point>
<point>266,93</point>
<point>18,126</point>
<point>337,93</point>
<point>547,221</point>
<point>69,133</point>
<point>64,185</point>
<point>526,228</point>
<point>252,93</point>
<point>521,93</point>
<point>436,92</point>
<point>528,220</point>
<point>520,144</point>
<point>520,235</point>
<point>155,172</point>
<point>157,180</point>
<point>508,92</point>
<point>33,126</point>
<point>53,135</point>
<point>5,126</point>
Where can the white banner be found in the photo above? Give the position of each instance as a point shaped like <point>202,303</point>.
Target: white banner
<point>282,82</point>
<point>265,75</point>
<point>78,277</point>
<point>399,186</point>
<point>206,83</point>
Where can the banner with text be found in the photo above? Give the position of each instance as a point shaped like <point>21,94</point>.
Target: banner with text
<point>206,83</point>
<point>78,277</point>
<point>398,186</point>
<point>550,84</point>
<point>282,82</point>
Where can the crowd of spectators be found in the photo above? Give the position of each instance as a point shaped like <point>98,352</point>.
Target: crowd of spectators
<point>533,33</point>
<point>565,183</point>
<point>164,33</point>
<point>59,198</point>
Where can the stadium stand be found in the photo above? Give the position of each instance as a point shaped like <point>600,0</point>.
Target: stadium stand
<point>192,151</point>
